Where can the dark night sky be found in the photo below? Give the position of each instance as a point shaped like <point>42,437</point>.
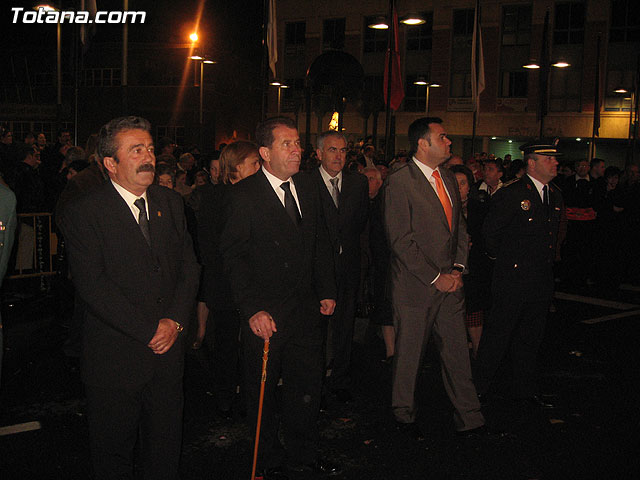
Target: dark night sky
<point>227,28</point>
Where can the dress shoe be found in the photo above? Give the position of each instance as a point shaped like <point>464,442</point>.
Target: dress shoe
<point>343,395</point>
<point>320,465</point>
<point>411,430</point>
<point>480,433</point>
<point>275,473</point>
<point>388,360</point>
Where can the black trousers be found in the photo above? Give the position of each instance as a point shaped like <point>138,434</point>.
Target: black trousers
<point>295,355</point>
<point>222,339</point>
<point>340,337</point>
<point>516,327</point>
<point>119,417</point>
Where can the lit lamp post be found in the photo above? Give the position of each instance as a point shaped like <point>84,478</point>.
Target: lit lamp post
<point>381,23</point>
<point>202,60</point>
<point>422,82</point>
<point>280,87</point>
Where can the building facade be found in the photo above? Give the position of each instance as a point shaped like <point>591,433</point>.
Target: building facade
<point>439,52</point>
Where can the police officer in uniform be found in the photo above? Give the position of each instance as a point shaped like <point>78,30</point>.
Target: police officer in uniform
<point>520,233</point>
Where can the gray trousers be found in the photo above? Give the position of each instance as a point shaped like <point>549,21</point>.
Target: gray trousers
<point>445,319</point>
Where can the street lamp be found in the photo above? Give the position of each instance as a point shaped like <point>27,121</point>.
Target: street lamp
<point>280,87</point>
<point>202,60</point>
<point>422,82</point>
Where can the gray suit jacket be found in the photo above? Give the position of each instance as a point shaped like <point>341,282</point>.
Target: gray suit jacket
<point>422,246</point>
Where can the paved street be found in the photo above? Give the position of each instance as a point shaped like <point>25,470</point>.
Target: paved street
<point>589,370</point>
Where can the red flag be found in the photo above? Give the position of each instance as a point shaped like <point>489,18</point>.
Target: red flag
<point>397,89</point>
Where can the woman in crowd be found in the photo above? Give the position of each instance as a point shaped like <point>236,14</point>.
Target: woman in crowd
<point>238,160</point>
<point>478,281</point>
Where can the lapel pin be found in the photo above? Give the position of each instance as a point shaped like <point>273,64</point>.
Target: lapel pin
<point>525,205</point>
<point>159,213</point>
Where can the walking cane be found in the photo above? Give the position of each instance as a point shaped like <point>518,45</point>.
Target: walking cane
<point>265,358</point>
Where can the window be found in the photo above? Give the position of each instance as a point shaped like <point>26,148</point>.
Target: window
<point>463,22</point>
<point>419,37</point>
<point>294,38</point>
<point>618,102</point>
<point>516,25</point>
<point>514,84</point>
<point>43,79</point>
<point>460,85</point>
<point>566,85</point>
<point>293,97</point>
<point>625,21</point>
<point>414,95</point>
<point>100,77</point>
<point>374,40</point>
<point>333,34</point>
<point>568,27</point>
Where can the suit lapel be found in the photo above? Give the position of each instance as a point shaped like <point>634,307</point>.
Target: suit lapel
<point>124,218</point>
<point>158,217</point>
<point>270,199</point>
<point>422,185</point>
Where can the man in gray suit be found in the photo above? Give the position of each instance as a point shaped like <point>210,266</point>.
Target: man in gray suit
<point>429,246</point>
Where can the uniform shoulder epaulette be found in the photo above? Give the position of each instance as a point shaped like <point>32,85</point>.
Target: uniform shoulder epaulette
<point>556,186</point>
<point>510,182</point>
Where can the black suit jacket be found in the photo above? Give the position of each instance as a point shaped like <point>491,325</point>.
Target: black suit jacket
<point>129,286</point>
<point>521,237</point>
<point>345,223</point>
<point>274,265</point>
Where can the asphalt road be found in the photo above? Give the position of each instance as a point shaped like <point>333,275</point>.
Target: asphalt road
<point>589,369</point>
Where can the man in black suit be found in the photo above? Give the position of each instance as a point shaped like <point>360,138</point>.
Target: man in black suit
<point>133,265</point>
<point>345,201</point>
<point>520,233</point>
<point>276,252</point>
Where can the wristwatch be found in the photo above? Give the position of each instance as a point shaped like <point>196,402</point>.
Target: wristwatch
<point>179,327</point>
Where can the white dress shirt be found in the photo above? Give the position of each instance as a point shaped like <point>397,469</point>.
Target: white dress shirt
<point>129,198</point>
<point>275,184</point>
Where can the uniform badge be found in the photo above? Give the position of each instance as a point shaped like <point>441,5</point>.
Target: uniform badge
<point>525,205</point>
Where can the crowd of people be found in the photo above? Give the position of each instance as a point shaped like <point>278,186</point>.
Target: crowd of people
<point>266,247</point>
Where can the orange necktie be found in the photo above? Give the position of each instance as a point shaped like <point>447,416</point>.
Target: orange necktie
<point>444,198</point>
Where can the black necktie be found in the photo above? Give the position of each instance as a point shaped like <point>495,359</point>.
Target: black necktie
<point>545,198</point>
<point>290,204</point>
<point>143,221</point>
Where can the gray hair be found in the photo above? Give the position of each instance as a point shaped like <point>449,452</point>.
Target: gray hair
<point>329,133</point>
<point>107,146</point>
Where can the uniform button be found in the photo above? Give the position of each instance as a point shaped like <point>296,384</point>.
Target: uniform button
<point>531,219</point>
<point>515,265</point>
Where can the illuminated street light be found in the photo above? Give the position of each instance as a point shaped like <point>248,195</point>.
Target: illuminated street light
<point>193,37</point>
<point>561,64</point>
<point>420,81</point>
<point>280,87</point>
<point>379,23</point>
<point>413,19</point>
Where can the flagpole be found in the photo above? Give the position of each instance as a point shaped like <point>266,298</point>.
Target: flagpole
<point>387,129</point>
<point>264,75</point>
<point>596,106</point>
<point>544,74</point>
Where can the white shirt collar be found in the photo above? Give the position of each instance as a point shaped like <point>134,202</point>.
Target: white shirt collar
<point>130,198</point>
<point>327,178</point>
<point>425,169</point>
<point>539,185</point>
<point>275,183</point>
